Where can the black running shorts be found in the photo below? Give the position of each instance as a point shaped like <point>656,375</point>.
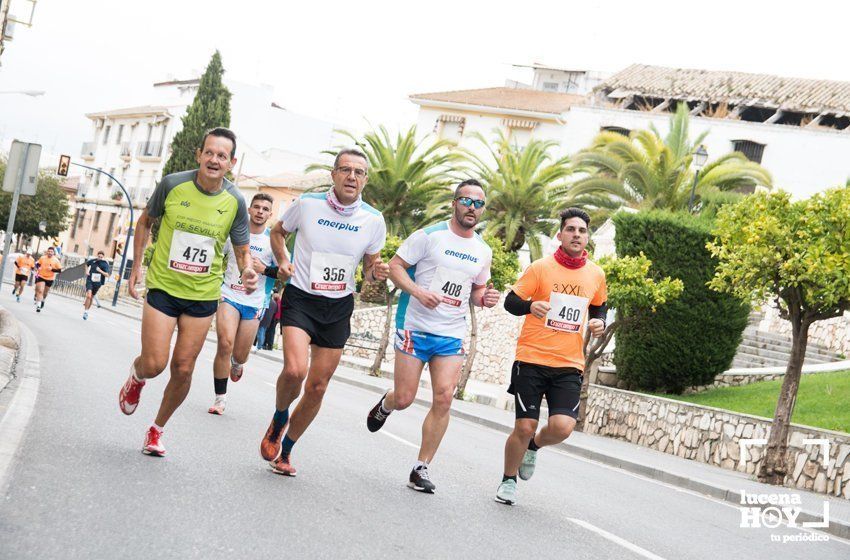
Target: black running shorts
<point>326,320</point>
<point>48,283</point>
<point>21,277</point>
<point>531,382</point>
<point>175,306</point>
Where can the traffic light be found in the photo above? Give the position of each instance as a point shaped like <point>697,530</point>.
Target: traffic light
<point>64,164</point>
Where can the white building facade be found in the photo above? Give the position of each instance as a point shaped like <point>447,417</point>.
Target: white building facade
<point>798,129</point>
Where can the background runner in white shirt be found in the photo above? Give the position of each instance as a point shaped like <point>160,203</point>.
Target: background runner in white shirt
<point>238,315</point>
<point>440,269</point>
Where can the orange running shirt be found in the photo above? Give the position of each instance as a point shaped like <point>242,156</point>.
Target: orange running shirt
<point>556,340</point>
<point>46,266</point>
<point>24,265</point>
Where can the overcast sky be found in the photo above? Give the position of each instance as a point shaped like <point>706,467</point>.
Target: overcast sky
<point>357,61</point>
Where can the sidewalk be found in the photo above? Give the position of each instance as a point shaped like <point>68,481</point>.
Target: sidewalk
<point>491,407</point>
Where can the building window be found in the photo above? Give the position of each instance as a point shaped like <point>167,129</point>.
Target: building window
<point>450,127</point>
<point>110,230</point>
<point>752,150</point>
<point>120,134</point>
<point>618,129</point>
<point>74,225</point>
<point>81,217</point>
<point>106,134</point>
<point>96,220</point>
<point>550,86</point>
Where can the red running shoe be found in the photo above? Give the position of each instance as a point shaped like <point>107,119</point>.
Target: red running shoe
<point>152,443</point>
<point>282,466</point>
<point>270,446</point>
<point>128,398</point>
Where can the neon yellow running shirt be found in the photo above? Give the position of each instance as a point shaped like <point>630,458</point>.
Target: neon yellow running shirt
<point>187,258</point>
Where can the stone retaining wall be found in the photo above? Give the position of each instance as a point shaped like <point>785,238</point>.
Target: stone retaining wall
<point>833,333</point>
<point>497,330</point>
<point>712,436</point>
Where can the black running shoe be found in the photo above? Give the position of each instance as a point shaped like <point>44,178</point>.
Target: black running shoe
<point>420,479</point>
<point>376,418</point>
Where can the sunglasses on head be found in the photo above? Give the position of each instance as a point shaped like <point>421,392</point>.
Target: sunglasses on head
<point>466,201</point>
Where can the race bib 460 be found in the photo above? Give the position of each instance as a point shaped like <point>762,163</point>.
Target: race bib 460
<point>566,313</point>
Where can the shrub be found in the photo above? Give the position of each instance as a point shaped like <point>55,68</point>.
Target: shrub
<point>691,339</point>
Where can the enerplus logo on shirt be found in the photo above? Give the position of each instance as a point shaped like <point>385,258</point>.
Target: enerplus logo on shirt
<point>461,256</point>
<point>338,225</point>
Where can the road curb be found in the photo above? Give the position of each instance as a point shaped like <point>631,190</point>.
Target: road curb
<point>10,344</point>
<point>19,401</point>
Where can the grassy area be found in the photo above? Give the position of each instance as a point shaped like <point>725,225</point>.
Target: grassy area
<point>823,400</point>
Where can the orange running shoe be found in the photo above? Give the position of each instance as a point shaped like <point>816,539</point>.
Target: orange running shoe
<point>270,446</point>
<point>282,466</point>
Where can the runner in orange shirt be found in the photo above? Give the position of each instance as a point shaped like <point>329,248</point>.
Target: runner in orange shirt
<point>47,267</point>
<point>558,295</point>
<point>23,267</point>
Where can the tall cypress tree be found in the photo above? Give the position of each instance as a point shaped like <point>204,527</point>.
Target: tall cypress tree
<point>210,108</point>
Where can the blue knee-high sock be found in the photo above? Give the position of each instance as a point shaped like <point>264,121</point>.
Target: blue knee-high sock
<point>281,417</point>
<point>286,446</point>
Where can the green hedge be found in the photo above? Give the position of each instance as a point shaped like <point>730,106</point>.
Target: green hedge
<point>693,338</point>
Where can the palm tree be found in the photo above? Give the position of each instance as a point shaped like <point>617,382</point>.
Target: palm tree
<point>404,175</point>
<point>524,187</point>
<point>646,171</point>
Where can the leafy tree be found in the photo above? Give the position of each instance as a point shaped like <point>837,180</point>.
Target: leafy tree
<point>634,294</point>
<point>49,204</point>
<point>504,270</point>
<point>645,171</point>
<point>209,109</point>
<point>799,254</point>
<point>691,339</point>
<point>524,187</point>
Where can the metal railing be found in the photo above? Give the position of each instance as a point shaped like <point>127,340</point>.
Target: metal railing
<point>88,149</point>
<point>149,149</point>
<point>126,149</point>
<point>73,288</point>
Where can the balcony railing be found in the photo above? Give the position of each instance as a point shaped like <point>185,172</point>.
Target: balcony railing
<point>149,149</point>
<point>126,149</point>
<point>87,151</point>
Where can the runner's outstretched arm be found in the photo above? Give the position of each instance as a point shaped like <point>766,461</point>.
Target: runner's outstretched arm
<point>140,241</point>
<point>277,239</point>
<point>249,276</point>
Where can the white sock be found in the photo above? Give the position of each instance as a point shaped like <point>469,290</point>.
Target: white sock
<point>419,465</point>
<point>133,372</point>
<point>157,428</point>
<point>234,362</point>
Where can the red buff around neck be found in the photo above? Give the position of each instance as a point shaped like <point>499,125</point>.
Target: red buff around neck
<point>570,262</point>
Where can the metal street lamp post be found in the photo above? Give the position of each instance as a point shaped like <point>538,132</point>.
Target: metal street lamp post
<point>700,157</point>
<point>129,230</point>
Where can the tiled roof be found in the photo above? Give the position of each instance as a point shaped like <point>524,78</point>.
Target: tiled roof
<point>144,110</point>
<point>506,98</point>
<point>793,94</point>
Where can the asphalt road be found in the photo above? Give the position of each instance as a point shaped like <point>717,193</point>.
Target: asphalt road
<point>82,489</point>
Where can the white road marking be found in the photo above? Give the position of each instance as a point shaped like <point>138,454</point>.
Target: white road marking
<point>400,439</point>
<point>615,539</point>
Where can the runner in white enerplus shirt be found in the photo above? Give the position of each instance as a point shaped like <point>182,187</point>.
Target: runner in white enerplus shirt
<point>440,269</point>
<point>238,316</point>
<point>333,231</point>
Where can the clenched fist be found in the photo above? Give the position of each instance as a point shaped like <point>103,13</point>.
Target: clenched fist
<point>491,296</point>
<point>540,308</point>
